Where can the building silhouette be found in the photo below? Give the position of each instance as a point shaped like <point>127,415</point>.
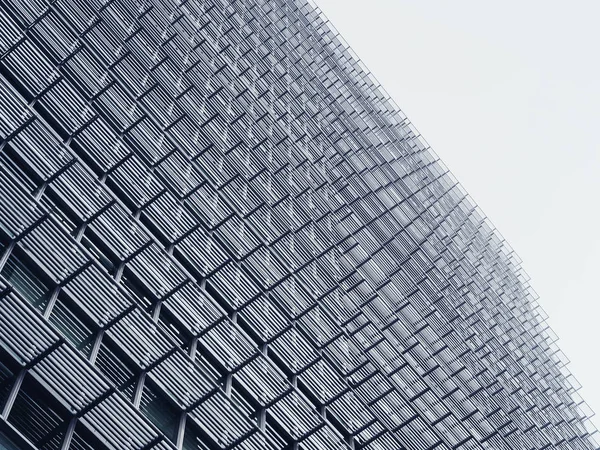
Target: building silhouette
<point>217,231</point>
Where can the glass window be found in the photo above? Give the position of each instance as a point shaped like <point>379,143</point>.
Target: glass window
<point>83,439</point>
<point>194,439</point>
<point>160,411</point>
<point>6,444</point>
<point>73,325</point>
<point>26,282</point>
<point>8,370</point>
<point>121,373</point>
<point>38,416</point>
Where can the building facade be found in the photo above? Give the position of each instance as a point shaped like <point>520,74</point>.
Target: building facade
<point>217,231</point>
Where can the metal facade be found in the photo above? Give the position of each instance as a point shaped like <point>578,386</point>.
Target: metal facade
<point>218,232</point>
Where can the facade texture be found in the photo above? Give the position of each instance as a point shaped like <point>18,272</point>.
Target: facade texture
<point>218,232</point>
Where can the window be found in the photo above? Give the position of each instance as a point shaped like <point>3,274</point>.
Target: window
<point>26,282</point>
<point>6,444</point>
<point>207,364</point>
<point>73,325</point>
<point>8,369</point>
<point>193,439</point>
<point>99,251</point>
<point>122,374</point>
<point>242,400</point>
<point>160,411</point>
<point>48,200</point>
<point>38,416</point>
<point>137,289</point>
<point>174,328</point>
<point>83,439</point>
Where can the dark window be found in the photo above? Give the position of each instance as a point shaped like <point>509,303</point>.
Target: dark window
<point>215,374</point>
<point>193,439</point>
<point>83,439</point>
<point>102,255</point>
<point>174,328</point>
<point>73,325</point>
<point>51,205</point>
<point>6,444</point>
<point>159,410</point>
<point>139,292</point>
<point>38,416</point>
<point>122,374</point>
<point>26,282</point>
<point>242,401</point>
<point>8,370</point>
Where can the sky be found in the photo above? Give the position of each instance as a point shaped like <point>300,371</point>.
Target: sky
<point>508,95</point>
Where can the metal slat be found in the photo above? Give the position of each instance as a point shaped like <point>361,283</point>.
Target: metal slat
<point>24,333</point>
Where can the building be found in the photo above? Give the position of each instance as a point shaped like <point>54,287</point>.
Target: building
<point>218,232</point>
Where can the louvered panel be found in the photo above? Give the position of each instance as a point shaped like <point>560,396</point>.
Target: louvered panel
<point>155,268</point>
<point>97,295</point>
<point>17,209</point>
<point>80,191</point>
<point>263,380</point>
<point>182,379</point>
<point>52,249</point>
<point>295,415</point>
<point>119,231</point>
<point>118,425</point>
<point>23,332</point>
<point>229,344</point>
<point>70,378</point>
<point>41,149</point>
<point>141,338</point>
<point>221,420</point>
<point>194,308</point>
<point>15,109</point>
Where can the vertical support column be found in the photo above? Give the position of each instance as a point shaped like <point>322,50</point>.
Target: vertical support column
<point>69,434</point>
<point>181,430</point>
<point>13,394</point>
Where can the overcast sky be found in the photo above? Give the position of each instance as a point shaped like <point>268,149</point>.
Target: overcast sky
<point>508,95</point>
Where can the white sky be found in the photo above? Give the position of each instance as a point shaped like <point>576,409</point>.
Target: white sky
<point>508,95</point>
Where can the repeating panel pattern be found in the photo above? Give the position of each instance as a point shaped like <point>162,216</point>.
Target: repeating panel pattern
<point>217,231</point>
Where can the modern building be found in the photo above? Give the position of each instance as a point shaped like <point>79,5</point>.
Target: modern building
<point>217,231</point>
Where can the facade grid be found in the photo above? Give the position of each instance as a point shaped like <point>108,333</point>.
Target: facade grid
<point>217,231</point>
